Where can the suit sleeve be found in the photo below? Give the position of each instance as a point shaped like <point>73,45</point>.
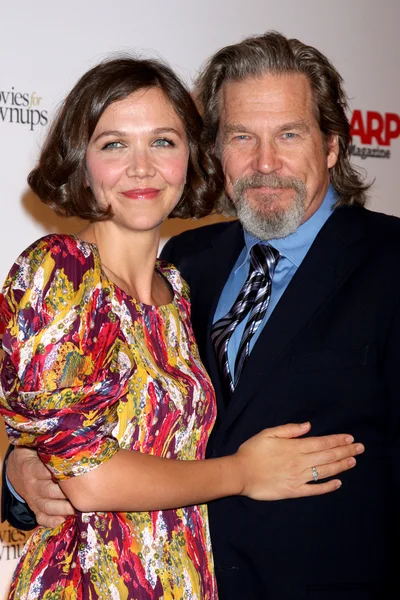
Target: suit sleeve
<point>392,362</point>
<point>17,513</point>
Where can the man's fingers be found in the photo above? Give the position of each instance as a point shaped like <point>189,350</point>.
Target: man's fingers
<point>52,490</point>
<point>27,461</point>
<point>47,521</point>
<point>54,508</point>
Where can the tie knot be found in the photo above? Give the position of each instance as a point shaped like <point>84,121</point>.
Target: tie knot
<point>264,259</point>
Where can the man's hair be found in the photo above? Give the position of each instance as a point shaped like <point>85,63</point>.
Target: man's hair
<point>59,179</point>
<point>272,53</point>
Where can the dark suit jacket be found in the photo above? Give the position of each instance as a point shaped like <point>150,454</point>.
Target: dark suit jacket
<point>330,353</point>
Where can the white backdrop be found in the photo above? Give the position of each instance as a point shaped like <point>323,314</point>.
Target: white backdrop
<point>47,45</point>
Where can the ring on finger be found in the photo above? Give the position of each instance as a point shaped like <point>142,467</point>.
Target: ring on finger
<point>314,473</point>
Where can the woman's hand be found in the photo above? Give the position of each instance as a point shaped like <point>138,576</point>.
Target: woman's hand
<point>276,466</point>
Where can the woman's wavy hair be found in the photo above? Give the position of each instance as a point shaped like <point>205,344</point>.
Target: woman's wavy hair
<point>275,54</point>
<point>59,179</point>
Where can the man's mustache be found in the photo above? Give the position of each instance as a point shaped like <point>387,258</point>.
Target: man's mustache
<point>270,181</point>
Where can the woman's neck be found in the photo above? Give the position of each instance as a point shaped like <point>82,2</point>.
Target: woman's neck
<point>128,259</point>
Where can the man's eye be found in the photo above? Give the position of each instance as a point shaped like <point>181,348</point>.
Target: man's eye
<point>241,137</point>
<point>111,145</point>
<point>289,135</point>
<point>163,143</point>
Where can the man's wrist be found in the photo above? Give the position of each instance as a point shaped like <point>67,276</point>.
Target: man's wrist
<point>13,492</point>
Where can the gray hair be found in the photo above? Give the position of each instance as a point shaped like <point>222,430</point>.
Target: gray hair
<point>275,54</point>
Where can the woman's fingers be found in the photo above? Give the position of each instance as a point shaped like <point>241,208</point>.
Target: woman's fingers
<point>309,489</point>
<point>326,442</point>
<point>289,430</point>
<point>312,488</point>
<point>333,455</point>
<point>312,444</point>
<point>316,473</point>
<point>329,467</point>
<point>275,465</point>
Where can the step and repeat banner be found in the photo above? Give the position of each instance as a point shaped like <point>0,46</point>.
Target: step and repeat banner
<point>46,46</point>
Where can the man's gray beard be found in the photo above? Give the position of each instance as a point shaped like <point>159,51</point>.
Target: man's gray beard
<point>264,224</point>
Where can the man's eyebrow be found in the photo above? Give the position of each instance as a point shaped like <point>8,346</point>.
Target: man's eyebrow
<point>233,128</point>
<point>300,125</point>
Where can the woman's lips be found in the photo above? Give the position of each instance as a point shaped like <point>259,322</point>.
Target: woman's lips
<point>141,193</point>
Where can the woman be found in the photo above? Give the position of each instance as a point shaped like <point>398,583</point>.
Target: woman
<point>101,372</point>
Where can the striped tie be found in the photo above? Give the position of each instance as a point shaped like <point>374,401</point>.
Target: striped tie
<point>253,298</point>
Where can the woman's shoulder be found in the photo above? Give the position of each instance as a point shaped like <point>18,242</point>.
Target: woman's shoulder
<point>46,258</point>
<point>53,273</point>
<point>59,245</point>
<point>174,277</point>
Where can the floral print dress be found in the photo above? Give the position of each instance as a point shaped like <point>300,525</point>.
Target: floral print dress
<point>87,370</point>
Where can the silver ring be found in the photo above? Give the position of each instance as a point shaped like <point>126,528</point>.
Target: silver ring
<point>314,473</point>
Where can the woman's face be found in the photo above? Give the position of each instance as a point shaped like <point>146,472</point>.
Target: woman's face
<point>137,159</point>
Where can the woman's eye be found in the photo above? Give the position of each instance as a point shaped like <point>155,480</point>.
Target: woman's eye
<point>163,143</point>
<point>111,145</point>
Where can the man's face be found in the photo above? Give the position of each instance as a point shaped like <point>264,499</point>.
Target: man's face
<point>273,153</point>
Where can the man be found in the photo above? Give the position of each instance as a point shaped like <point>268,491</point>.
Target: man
<point>321,343</point>
<point>328,348</point>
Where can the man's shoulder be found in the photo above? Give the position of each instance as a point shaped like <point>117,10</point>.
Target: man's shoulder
<point>195,240</point>
<point>375,223</point>
<point>386,221</point>
<point>204,233</point>
<point>381,227</point>
<point>378,232</point>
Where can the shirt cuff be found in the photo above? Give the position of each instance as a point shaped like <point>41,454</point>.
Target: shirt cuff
<point>14,493</point>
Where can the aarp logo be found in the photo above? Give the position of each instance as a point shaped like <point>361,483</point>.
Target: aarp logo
<point>376,132</point>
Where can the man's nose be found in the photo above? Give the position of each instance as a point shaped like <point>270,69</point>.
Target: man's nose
<point>141,164</point>
<point>267,158</point>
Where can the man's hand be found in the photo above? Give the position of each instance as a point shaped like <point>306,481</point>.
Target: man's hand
<point>33,481</point>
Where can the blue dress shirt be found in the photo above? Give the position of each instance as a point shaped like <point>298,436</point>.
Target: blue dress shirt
<point>292,249</point>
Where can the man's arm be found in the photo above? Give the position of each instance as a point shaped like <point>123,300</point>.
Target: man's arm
<point>30,478</point>
<point>17,513</point>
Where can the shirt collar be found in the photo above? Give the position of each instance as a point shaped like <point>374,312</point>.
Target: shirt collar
<point>295,246</point>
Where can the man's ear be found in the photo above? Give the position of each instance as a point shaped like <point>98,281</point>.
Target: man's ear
<point>86,181</point>
<point>216,148</point>
<point>332,150</point>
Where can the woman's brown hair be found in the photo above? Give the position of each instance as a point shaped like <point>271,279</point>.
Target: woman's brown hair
<point>59,177</point>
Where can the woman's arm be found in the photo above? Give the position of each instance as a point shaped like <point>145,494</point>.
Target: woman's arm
<point>270,466</point>
<point>33,481</point>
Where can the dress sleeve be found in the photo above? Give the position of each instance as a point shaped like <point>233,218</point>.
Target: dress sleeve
<point>60,384</point>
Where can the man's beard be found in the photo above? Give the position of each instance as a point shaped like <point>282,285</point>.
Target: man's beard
<point>258,220</point>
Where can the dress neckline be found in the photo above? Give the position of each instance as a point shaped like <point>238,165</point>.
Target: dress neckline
<point>95,251</point>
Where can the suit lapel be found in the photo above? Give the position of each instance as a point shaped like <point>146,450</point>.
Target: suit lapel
<point>335,254</point>
<point>212,267</point>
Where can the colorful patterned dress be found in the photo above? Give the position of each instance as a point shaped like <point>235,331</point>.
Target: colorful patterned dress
<point>89,370</point>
